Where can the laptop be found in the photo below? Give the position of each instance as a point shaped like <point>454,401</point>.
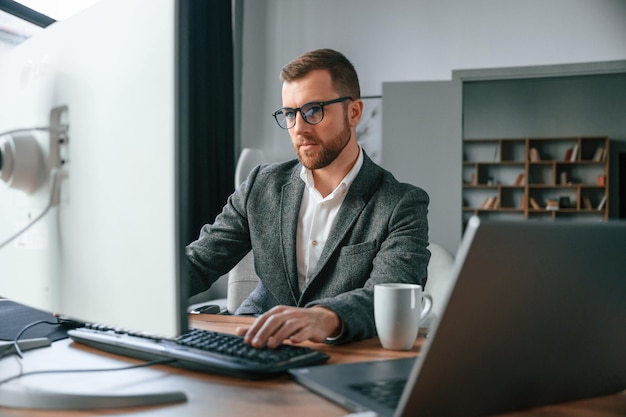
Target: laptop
<point>536,316</point>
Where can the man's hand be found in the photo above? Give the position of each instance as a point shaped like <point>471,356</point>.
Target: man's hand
<point>291,323</point>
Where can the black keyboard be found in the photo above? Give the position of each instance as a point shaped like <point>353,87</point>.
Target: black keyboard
<point>201,350</point>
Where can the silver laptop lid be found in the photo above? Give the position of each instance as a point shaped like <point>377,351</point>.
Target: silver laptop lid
<point>537,316</point>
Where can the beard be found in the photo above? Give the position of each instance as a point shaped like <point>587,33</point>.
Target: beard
<point>328,152</point>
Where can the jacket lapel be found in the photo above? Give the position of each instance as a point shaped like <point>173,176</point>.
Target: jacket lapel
<point>291,198</point>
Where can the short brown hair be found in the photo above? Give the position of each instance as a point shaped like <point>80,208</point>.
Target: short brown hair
<point>342,72</point>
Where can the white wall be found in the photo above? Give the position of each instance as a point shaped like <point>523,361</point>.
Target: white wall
<point>402,40</point>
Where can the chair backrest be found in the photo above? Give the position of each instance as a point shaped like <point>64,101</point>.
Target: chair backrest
<point>439,279</point>
<point>242,279</point>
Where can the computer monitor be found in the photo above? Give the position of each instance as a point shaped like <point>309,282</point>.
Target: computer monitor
<point>107,111</point>
<point>112,250</point>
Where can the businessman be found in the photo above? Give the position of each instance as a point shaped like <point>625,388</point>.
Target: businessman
<point>325,227</point>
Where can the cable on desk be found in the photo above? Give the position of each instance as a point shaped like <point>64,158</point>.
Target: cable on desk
<point>16,345</point>
<point>69,371</point>
<point>19,354</point>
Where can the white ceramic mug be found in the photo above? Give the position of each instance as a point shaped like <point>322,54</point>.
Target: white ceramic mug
<point>398,310</point>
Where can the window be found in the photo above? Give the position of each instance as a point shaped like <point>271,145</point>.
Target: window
<point>19,20</point>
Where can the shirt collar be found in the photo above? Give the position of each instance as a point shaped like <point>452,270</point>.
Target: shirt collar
<point>307,176</point>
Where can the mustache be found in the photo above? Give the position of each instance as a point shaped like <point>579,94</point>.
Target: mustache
<point>307,140</point>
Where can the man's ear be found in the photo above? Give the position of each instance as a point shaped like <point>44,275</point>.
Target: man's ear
<point>355,111</point>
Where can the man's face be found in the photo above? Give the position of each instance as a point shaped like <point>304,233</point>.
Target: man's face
<point>317,146</point>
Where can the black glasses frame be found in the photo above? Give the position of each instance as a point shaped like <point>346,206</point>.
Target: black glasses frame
<point>301,110</point>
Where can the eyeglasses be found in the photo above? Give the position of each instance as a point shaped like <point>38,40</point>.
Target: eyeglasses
<point>312,113</point>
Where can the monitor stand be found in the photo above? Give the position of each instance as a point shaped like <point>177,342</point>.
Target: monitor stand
<point>24,397</point>
<point>35,398</point>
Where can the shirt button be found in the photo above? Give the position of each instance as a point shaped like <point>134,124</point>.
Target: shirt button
<point>322,204</point>
<point>314,243</point>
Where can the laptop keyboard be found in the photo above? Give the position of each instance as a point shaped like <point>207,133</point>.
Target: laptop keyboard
<point>201,350</point>
<point>386,391</point>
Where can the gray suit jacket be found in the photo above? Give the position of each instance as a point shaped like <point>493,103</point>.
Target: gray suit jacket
<point>380,235</point>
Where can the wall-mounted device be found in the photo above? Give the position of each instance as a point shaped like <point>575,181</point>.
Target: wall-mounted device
<point>26,165</point>
<point>22,164</point>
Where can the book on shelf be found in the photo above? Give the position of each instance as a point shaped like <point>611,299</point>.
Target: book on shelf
<point>552,204</point>
<point>601,180</point>
<point>563,178</point>
<point>571,154</point>
<point>534,155</point>
<point>598,155</point>
<point>602,203</point>
<point>568,154</point>
<point>520,179</point>
<point>490,203</point>
<point>473,179</point>
<point>587,202</point>
<point>534,203</point>
<point>574,154</point>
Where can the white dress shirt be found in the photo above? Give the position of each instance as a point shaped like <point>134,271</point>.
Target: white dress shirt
<point>316,218</point>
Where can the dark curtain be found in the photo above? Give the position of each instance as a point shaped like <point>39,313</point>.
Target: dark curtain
<point>206,110</point>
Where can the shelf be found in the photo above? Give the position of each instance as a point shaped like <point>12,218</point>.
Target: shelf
<point>570,172</point>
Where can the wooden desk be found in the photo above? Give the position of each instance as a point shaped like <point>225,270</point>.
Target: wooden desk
<point>214,395</point>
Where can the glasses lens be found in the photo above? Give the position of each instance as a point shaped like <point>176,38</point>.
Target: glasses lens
<point>285,117</point>
<point>313,113</point>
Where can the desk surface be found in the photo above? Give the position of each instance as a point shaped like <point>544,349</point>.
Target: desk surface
<point>214,395</point>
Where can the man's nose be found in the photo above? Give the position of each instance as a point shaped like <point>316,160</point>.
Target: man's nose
<point>301,125</point>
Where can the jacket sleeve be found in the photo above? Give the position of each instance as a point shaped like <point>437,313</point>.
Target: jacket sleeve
<point>222,244</point>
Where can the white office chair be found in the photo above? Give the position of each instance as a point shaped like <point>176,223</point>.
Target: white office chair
<point>242,280</point>
<point>439,281</point>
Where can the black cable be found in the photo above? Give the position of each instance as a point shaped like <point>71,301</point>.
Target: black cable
<point>16,345</point>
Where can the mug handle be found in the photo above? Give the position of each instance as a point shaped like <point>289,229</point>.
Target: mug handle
<point>427,306</point>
